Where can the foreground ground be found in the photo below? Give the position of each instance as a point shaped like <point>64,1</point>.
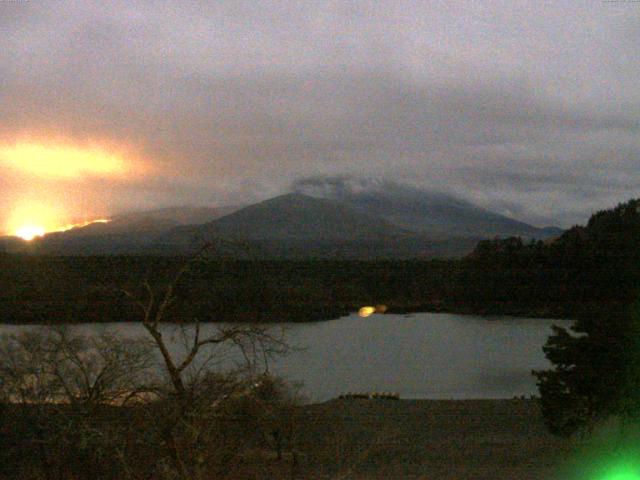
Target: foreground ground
<point>423,439</point>
<point>366,439</point>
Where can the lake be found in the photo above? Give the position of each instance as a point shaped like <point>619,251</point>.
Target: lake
<point>422,355</point>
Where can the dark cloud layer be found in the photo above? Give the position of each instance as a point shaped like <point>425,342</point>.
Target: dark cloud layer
<point>529,108</point>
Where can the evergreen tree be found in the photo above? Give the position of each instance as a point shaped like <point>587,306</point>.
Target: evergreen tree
<point>596,371</point>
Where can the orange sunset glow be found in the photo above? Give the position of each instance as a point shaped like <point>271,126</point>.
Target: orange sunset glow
<point>53,181</point>
<point>28,232</point>
<point>60,160</point>
<point>31,220</point>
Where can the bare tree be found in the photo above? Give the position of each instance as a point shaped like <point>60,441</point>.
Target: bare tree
<point>256,343</point>
<point>55,366</point>
<point>58,388</point>
<point>102,401</point>
<point>197,418</point>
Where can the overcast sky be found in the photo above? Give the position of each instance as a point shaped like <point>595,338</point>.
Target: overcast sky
<point>531,108</point>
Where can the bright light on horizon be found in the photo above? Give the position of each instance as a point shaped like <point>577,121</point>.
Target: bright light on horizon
<point>366,311</point>
<point>31,219</point>
<point>46,174</point>
<point>29,232</point>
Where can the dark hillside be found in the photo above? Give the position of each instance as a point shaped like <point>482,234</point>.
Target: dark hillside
<point>296,216</point>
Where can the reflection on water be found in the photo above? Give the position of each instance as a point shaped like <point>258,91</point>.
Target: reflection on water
<point>422,355</point>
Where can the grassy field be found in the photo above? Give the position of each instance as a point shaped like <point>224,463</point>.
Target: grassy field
<point>424,439</point>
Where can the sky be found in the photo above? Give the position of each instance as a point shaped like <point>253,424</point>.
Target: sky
<point>531,109</point>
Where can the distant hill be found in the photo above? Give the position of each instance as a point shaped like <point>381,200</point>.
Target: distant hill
<point>435,214</point>
<point>150,221</point>
<point>131,232</point>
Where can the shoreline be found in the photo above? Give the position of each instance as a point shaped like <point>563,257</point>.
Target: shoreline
<point>487,315</point>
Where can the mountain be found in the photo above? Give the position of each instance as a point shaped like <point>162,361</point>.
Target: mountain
<point>337,219</point>
<point>296,226</point>
<point>436,214</point>
<point>295,216</point>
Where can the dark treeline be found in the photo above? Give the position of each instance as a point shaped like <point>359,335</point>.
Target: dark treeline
<point>588,268</point>
<point>47,289</point>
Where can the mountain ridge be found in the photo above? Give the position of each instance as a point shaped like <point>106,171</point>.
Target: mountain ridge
<point>389,220</point>
<point>434,213</point>
<point>296,216</point>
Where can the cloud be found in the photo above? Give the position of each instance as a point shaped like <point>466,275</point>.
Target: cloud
<point>531,109</point>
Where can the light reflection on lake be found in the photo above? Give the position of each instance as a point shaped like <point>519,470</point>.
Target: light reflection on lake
<point>422,355</point>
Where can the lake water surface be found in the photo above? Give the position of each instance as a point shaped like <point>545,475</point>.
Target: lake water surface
<point>423,355</point>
